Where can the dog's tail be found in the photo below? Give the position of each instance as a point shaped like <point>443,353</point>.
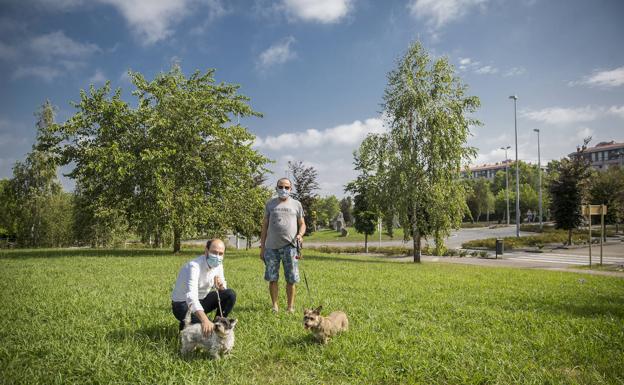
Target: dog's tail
<point>187,318</point>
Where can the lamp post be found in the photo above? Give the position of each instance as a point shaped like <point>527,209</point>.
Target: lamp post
<point>507,180</point>
<point>539,173</point>
<point>515,99</point>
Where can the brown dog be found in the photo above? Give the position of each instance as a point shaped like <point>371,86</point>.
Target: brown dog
<point>324,327</point>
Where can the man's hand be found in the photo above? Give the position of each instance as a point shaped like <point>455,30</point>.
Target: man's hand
<point>262,253</point>
<point>207,327</point>
<point>300,238</point>
<point>218,283</point>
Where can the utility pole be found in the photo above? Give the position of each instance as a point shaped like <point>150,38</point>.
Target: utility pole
<point>507,180</point>
<point>539,173</point>
<point>515,99</point>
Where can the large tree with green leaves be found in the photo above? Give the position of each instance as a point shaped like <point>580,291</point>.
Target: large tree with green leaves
<point>175,165</point>
<point>305,186</point>
<point>419,171</point>
<point>568,191</point>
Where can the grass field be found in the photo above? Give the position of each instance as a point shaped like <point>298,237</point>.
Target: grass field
<point>102,317</point>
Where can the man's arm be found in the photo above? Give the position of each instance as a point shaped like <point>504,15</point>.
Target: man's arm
<point>193,300</point>
<point>302,228</point>
<point>263,235</point>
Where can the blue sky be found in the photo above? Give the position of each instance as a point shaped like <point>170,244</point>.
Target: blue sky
<point>317,69</point>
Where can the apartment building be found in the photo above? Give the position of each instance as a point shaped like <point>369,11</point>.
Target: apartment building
<point>603,155</point>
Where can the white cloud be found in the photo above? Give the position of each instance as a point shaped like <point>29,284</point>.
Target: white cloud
<point>46,73</point>
<point>342,135</point>
<point>438,13</point>
<point>583,133</point>
<point>322,11</point>
<point>98,77</point>
<point>467,64</point>
<point>486,70</point>
<point>150,20</point>
<point>561,115</point>
<point>514,71</point>
<point>617,111</point>
<point>604,79</point>
<point>56,44</point>
<point>278,53</point>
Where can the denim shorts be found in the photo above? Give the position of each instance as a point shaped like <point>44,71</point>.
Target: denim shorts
<point>272,258</point>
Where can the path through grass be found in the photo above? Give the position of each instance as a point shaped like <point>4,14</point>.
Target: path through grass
<point>104,317</point>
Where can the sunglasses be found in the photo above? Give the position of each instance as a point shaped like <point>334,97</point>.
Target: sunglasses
<point>283,187</point>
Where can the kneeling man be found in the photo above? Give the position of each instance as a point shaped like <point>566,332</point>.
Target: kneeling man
<point>192,288</point>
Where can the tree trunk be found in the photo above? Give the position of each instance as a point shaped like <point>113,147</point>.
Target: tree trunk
<point>176,240</point>
<point>366,243</point>
<point>416,239</point>
<point>570,237</point>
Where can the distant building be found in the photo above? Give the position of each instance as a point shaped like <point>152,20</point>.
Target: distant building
<point>487,171</point>
<point>603,155</point>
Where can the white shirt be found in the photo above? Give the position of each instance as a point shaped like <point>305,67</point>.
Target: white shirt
<point>194,282</point>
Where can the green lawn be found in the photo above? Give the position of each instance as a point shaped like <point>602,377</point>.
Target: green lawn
<point>102,317</point>
<point>329,235</point>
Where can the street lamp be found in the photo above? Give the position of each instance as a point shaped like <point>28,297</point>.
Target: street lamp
<point>539,173</point>
<point>507,180</point>
<point>515,99</point>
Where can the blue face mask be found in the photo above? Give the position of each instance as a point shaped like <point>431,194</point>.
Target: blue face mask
<point>213,260</point>
<point>283,193</point>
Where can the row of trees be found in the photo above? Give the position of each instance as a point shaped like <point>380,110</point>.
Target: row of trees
<point>488,199</point>
<point>173,166</point>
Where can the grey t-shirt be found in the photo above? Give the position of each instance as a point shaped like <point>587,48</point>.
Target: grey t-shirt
<point>282,216</point>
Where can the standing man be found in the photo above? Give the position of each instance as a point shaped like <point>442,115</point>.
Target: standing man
<point>282,227</point>
<point>192,288</point>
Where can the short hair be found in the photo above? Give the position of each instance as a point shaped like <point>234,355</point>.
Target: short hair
<point>284,178</point>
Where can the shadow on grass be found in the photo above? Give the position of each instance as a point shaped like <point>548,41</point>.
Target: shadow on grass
<point>160,333</point>
<point>88,252</point>
<point>359,258</point>
<point>302,340</point>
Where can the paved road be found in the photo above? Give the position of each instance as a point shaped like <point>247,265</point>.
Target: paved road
<point>455,240</point>
<point>562,260</point>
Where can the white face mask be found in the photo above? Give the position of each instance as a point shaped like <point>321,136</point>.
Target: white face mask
<point>283,193</point>
<point>213,260</point>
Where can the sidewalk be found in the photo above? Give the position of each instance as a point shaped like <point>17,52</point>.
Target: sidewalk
<point>509,261</point>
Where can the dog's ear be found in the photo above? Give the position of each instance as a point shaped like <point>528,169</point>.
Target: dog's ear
<point>233,322</point>
<point>318,309</point>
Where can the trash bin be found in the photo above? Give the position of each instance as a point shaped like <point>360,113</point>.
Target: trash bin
<point>499,247</point>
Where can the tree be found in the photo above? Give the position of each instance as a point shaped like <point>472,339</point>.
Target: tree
<point>607,188</point>
<point>346,207</point>
<point>417,164</point>
<point>327,209</point>
<point>173,166</point>
<point>247,220</point>
<point>567,192</point>
<point>305,187</point>
<point>38,208</point>
<point>480,200</point>
<point>365,220</point>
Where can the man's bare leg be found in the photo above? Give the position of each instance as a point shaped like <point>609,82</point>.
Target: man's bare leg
<point>273,290</point>
<point>290,295</point>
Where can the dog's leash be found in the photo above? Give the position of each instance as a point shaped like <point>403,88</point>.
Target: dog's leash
<point>305,278</point>
<point>219,301</point>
